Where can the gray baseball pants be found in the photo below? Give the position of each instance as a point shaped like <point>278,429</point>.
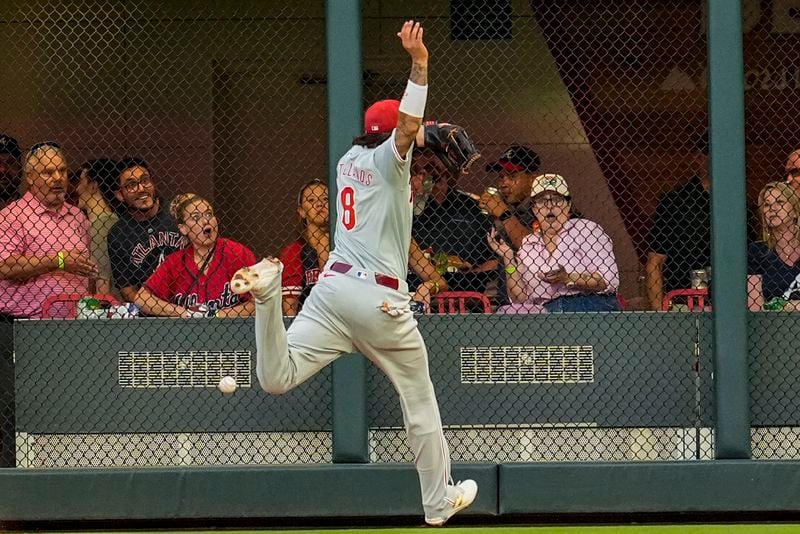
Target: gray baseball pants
<point>340,316</point>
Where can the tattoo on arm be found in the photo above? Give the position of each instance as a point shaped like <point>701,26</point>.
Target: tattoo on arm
<point>419,74</point>
<point>408,128</point>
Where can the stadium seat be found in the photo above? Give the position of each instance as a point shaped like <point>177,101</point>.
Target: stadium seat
<point>695,299</point>
<point>451,302</point>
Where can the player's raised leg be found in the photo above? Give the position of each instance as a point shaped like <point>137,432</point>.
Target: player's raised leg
<point>287,359</point>
<point>263,281</point>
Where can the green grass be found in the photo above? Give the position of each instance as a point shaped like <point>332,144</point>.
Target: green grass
<point>609,529</point>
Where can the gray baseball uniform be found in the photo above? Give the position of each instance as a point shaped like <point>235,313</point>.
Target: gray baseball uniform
<point>342,314</point>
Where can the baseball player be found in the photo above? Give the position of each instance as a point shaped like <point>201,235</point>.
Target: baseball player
<point>369,260</point>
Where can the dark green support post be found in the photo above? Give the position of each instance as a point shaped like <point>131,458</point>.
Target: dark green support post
<point>729,228</point>
<point>343,41</point>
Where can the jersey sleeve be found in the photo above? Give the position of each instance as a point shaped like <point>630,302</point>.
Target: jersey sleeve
<point>292,277</point>
<point>391,164</point>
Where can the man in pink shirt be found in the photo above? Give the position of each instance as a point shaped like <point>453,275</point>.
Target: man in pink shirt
<point>44,241</point>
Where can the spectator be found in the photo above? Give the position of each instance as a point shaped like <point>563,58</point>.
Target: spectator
<point>304,258</point>
<point>511,209</point>
<point>145,233</point>
<point>93,191</point>
<point>680,239</point>
<point>773,263</point>
<point>792,169</point>
<point>567,265</point>
<point>44,241</point>
<point>195,281</point>
<point>10,170</point>
<point>451,226</point>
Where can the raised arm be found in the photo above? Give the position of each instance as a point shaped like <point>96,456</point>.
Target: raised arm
<point>412,105</point>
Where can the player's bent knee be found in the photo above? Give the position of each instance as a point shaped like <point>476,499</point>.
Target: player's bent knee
<point>273,387</point>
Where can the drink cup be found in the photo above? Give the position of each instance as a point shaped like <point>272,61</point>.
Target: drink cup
<point>492,191</point>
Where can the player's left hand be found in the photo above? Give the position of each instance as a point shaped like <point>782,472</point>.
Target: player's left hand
<point>451,144</point>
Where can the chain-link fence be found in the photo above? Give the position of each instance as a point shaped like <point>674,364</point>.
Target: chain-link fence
<point>152,149</point>
<point>771,32</point>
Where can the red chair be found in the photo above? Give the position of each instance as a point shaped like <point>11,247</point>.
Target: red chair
<point>695,299</point>
<point>446,301</point>
<point>70,302</point>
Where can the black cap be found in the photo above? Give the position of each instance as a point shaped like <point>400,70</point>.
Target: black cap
<point>9,145</point>
<point>516,158</point>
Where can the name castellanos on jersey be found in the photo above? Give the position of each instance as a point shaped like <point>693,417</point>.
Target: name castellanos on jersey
<point>349,170</point>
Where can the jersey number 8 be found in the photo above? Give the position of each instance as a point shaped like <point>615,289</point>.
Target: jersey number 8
<point>347,198</point>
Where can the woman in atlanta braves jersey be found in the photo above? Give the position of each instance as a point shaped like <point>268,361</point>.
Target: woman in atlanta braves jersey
<point>195,281</point>
<point>304,258</point>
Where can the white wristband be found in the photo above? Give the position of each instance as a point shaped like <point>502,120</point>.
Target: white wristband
<point>413,102</point>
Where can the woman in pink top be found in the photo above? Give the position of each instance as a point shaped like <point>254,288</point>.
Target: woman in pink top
<point>566,265</point>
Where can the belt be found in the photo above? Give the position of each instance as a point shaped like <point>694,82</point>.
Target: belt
<point>380,279</point>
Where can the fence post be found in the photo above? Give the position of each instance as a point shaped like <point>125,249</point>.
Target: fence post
<point>729,228</point>
<point>343,42</point>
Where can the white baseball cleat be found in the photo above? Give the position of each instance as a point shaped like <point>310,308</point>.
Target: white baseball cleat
<point>458,497</point>
<point>258,278</point>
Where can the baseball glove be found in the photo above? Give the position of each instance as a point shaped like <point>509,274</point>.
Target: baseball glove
<point>452,145</point>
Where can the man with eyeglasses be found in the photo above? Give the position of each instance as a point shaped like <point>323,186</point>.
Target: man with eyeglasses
<point>145,233</point>
<point>44,241</point>
<point>792,169</point>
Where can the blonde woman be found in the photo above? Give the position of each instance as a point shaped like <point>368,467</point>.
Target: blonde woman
<point>195,281</point>
<point>773,264</point>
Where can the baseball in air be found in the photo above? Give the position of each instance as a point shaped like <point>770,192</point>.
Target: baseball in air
<point>227,385</point>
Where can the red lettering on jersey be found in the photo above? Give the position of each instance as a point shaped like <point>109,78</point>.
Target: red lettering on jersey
<point>347,198</point>
<point>349,170</point>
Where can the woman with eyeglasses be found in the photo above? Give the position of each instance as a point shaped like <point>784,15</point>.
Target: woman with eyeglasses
<point>566,265</point>
<point>195,281</point>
